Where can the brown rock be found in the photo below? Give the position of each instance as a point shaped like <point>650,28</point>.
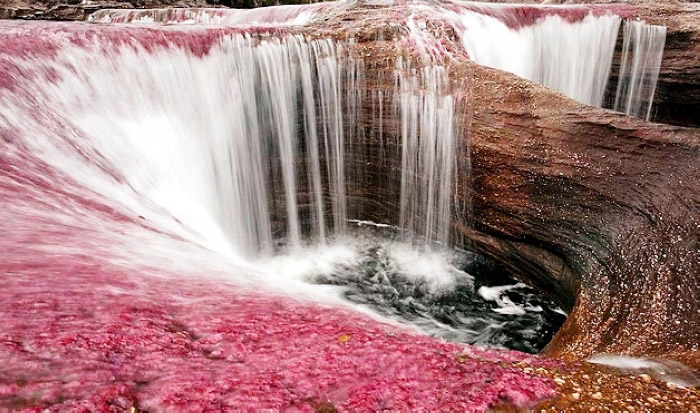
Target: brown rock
<point>598,208</point>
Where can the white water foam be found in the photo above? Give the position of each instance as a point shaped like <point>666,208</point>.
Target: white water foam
<point>668,371</point>
<point>505,304</point>
<point>572,57</point>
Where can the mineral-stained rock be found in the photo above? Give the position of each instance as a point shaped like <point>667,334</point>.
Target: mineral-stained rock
<point>596,207</point>
<point>602,205</point>
<point>600,209</point>
<point>79,10</point>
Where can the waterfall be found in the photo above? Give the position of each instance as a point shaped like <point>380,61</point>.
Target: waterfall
<point>242,139</point>
<point>334,136</point>
<point>430,145</point>
<point>642,52</point>
<point>221,143</point>
<point>238,143</point>
<point>134,155</point>
<point>573,58</point>
<point>568,48</point>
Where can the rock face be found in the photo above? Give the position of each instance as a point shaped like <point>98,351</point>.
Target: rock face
<point>79,10</point>
<point>599,208</point>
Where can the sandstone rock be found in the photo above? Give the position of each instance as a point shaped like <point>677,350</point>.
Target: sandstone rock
<point>79,10</point>
<point>596,207</point>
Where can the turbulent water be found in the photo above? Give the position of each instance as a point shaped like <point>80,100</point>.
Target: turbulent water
<point>454,295</point>
<point>226,148</point>
<point>180,218</point>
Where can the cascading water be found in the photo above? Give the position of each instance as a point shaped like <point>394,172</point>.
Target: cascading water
<point>569,48</point>
<point>430,150</point>
<point>203,152</point>
<point>642,52</point>
<point>187,146</point>
<point>573,58</point>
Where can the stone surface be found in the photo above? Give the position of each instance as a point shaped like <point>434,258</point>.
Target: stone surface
<point>597,208</point>
<point>594,206</point>
<point>97,340</point>
<point>593,202</point>
<point>79,10</point>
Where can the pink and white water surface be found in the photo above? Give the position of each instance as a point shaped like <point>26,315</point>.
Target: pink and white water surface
<point>127,277</point>
<point>138,236</point>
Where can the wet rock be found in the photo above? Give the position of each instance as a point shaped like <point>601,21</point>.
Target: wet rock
<point>593,206</point>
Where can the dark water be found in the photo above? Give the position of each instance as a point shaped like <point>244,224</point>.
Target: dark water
<point>459,296</point>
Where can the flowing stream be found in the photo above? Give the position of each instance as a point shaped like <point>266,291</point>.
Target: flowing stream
<point>203,146</point>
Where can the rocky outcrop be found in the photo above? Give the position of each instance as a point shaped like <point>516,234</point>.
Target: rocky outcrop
<point>79,10</point>
<point>596,207</point>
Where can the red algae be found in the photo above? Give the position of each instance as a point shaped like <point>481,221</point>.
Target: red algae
<point>275,15</point>
<point>45,39</point>
<point>73,337</point>
<point>81,333</point>
<point>89,325</point>
<point>517,16</point>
